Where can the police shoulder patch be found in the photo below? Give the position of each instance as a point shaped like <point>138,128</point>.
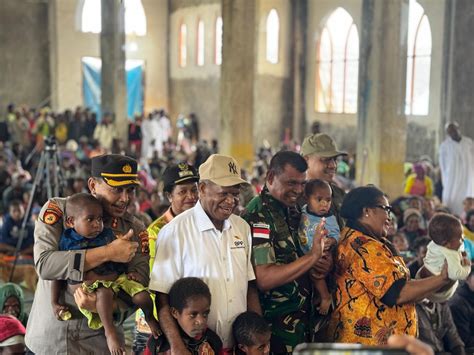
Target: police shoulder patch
<point>144,242</point>
<point>52,214</point>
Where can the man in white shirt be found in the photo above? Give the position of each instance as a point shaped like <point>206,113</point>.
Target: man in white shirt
<point>456,161</point>
<point>209,242</point>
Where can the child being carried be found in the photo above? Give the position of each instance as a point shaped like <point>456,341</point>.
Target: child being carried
<point>318,195</point>
<point>86,231</point>
<point>446,245</point>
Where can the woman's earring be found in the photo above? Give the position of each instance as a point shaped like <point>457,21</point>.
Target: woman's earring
<point>366,215</point>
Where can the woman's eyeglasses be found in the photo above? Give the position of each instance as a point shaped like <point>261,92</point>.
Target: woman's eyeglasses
<point>387,209</point>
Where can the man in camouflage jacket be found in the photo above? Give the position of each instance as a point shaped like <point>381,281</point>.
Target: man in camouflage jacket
<point>281,268</point>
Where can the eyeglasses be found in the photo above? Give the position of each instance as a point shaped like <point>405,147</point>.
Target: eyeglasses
<point>388,209</point>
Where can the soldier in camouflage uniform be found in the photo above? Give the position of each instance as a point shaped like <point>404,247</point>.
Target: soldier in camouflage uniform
<point>320,152</point>
<point>281,267</point>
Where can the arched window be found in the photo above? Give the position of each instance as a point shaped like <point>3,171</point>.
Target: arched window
<point>182,48</point>
<point>273,34</point>
<point>418,61</point>
<point>337,65</point>
<point>90,17</point>
<point>218,46</point>
<point>135,19</point>
<point>200,44</point>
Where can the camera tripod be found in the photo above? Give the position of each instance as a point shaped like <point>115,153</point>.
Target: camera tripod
<point>48,177</point>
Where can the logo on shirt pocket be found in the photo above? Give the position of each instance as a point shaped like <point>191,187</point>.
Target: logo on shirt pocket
<point>238,243</point>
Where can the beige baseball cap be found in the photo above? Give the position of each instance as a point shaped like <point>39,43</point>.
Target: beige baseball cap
<point>320,144</point>
<point>222,170</point>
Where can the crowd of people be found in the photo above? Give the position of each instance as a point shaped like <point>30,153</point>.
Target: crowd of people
<point>220,260</point>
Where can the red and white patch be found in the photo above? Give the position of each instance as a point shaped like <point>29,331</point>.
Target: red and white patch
<point>261,230</point>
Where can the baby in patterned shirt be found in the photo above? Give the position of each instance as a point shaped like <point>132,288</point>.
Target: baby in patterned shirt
<point>318,195</point>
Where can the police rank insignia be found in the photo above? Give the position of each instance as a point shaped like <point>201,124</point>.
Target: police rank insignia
<point>127,169</point>
<point>52,214</point>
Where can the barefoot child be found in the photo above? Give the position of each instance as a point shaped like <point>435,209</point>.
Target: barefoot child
<point>190,302</point>
<point>252,334</point>
<point>318,195</point>
<point>85,230</point>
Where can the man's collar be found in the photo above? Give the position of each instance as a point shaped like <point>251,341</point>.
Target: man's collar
<point>168,215</point>
<point>204,223</point>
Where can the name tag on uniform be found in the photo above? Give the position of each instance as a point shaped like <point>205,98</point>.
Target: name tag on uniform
<point>261,230</point>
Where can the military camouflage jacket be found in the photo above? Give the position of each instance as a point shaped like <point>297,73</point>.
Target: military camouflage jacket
<point>337,198</point>
<point>275,241</point>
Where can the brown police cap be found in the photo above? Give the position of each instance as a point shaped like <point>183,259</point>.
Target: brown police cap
<point>115,169</point>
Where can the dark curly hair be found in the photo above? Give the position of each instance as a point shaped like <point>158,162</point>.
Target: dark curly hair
<point>186,288</point>
<point>312,185</point>
<point>440,225</point>
<point>246,325</point>
<point>284,158</point>
<point>358,199</point>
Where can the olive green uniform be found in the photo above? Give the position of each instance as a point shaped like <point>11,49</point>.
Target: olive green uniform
<point>336,203</point>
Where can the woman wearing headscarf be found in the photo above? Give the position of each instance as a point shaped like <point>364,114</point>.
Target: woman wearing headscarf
<point>12,302</point>
<point>375,297</point>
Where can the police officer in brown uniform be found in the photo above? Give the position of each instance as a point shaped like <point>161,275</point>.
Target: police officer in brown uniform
<point>113,182</point>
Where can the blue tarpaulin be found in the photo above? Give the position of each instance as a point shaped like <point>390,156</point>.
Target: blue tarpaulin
<point>91,68</point>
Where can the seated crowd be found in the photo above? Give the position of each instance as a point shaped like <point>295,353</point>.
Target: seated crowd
<point>212,259</point>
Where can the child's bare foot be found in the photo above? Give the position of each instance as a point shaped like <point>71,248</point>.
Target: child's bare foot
<point>61,312</point>
<point>113,342</point>
<point>135,276</point>
<point>324,305</point>
<point>154,326</point>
